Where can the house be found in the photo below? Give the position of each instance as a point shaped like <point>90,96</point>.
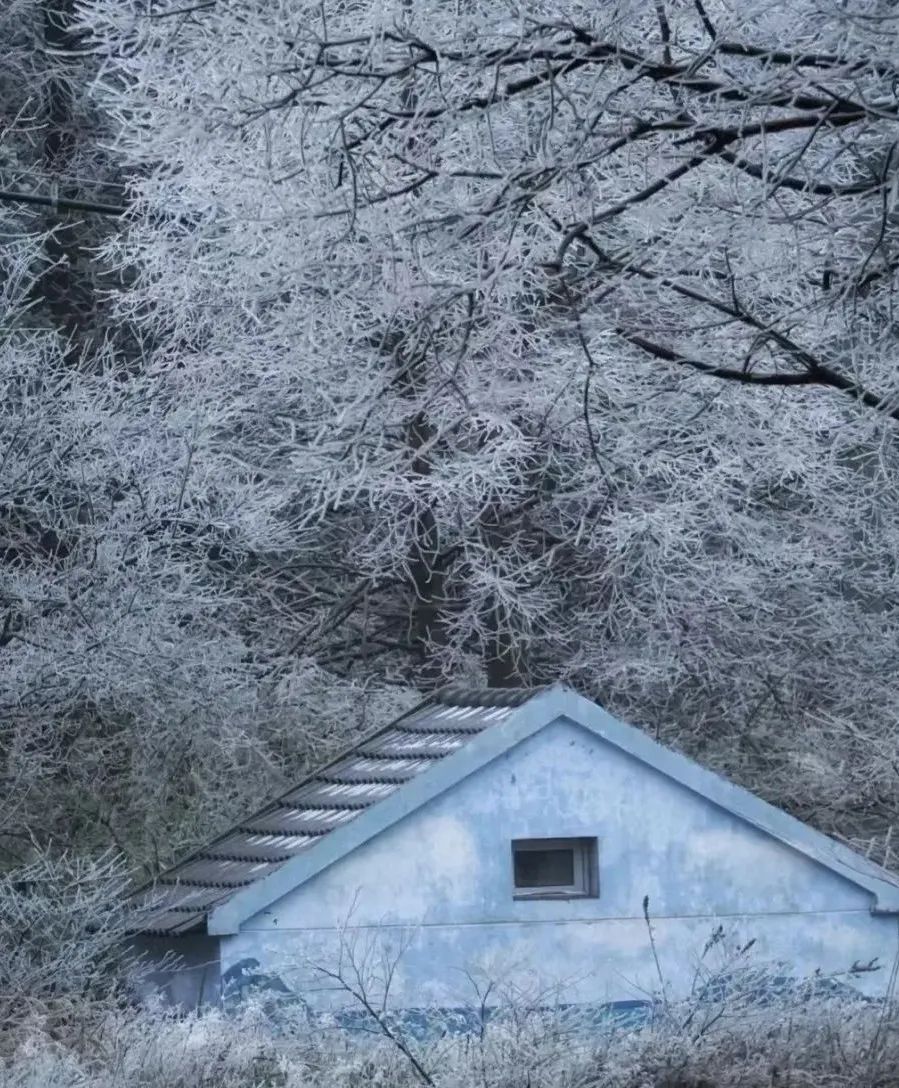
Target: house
<point>524,841</point>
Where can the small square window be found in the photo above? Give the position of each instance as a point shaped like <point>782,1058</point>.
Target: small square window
<point>554,868</point>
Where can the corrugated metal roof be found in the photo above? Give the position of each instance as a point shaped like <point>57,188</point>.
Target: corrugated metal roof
<point>181,897</point>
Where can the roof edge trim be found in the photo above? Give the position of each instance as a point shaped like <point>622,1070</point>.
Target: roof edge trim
<point>526,719</point>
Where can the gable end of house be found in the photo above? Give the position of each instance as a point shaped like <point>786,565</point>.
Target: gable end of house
<point>399,768</point>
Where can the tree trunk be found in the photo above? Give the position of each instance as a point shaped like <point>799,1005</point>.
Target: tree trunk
<point>65,286</point>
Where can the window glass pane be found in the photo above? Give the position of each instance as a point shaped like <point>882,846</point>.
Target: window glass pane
<point>544,868</point>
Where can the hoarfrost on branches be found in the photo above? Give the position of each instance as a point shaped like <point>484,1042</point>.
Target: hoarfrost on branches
<point>485,341</point>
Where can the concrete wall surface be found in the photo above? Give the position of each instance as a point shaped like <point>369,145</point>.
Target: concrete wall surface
<point>428,903</point>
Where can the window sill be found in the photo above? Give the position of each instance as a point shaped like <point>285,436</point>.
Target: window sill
<point>553,895</point>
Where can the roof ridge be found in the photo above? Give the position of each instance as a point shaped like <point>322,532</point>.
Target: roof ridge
<point>465,695</point>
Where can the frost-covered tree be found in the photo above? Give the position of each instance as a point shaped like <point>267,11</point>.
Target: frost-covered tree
<point>131,711</point>
<point>519,341</point>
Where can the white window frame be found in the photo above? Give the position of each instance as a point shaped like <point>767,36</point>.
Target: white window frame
<point>586,870</point>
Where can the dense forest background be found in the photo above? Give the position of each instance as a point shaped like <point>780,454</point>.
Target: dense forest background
<point>349,349</point>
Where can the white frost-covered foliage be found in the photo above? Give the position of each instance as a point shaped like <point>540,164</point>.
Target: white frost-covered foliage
<point>132,711</point>
<point>819,1044</point>
<point>62,924</point>
<point>511,339</point>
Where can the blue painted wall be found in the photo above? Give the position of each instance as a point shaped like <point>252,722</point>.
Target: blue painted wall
<point>429,901</point>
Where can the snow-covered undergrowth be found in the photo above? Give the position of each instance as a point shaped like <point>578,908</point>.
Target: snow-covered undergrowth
<point>822,1044</point>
